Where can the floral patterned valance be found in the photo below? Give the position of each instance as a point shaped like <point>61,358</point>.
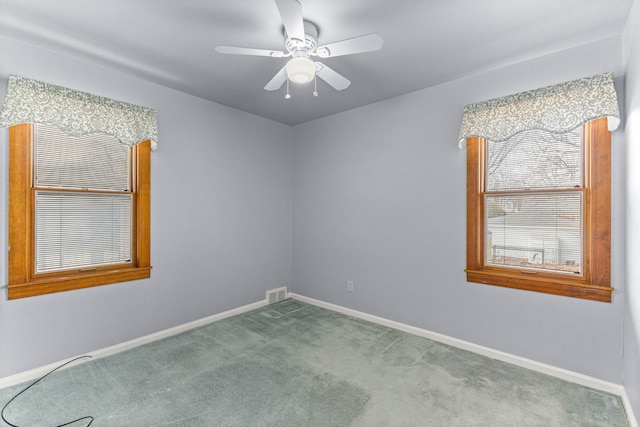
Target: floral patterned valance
<point>558,108</point>
<point>77,113</point>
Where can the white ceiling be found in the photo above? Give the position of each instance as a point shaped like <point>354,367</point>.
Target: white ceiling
<point>426,42</point>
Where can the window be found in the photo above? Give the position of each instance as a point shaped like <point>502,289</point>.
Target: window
<point>78,211</point>
<point>538,211</point>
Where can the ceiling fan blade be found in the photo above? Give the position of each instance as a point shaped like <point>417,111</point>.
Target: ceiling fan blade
<point>278,80</point>
<point>336,80</point>
<point>367,43</point>
<point>291,14</point>
<point>233,50</point>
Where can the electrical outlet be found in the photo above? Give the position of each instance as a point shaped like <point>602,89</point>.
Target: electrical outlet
<point>350,285</point>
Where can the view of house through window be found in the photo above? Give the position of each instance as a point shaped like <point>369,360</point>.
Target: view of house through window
<point>534,202</point>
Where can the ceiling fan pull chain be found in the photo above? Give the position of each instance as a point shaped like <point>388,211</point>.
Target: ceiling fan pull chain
<point>315,85</point>
<point>288,95</point>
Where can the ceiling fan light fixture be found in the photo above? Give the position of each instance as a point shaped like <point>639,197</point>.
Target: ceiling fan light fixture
<point>301,70</point>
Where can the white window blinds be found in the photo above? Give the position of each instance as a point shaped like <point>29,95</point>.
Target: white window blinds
<point>81,230</point>
<point>96,161</point>
<point>534,202</point>
<point>83,203</point>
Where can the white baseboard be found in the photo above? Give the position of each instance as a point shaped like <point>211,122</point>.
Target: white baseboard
<point>629,410</point>
<point>35,373</point>
<point>564,374</point>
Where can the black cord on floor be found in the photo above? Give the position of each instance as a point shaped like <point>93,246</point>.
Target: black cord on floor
<point>87,418</point>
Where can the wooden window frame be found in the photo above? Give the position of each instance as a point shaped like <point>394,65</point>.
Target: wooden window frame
<point>22,281</point>
<point>595,281</point>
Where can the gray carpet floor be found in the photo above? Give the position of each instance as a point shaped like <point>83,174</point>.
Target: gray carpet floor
<point>292,364</point>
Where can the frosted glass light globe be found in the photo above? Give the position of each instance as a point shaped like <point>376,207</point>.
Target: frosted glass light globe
<point>301,70</point>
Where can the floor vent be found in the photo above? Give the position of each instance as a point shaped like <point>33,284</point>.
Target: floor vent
<point>276,295</point>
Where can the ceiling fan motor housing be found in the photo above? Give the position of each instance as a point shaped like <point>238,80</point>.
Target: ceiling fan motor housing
<point>310,40</point>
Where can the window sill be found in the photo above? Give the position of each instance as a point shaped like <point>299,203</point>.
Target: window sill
<point>556,286</point>
<point>51,285</point>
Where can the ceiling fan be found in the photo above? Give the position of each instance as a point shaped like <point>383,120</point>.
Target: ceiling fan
<point>301,43</point>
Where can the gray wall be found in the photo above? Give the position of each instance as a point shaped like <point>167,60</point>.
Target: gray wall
<point>632,301</point>
<point>220,220</point>
<point>379,198</point>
